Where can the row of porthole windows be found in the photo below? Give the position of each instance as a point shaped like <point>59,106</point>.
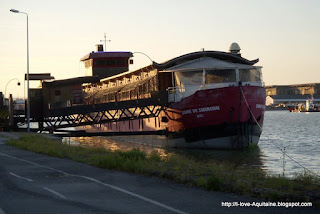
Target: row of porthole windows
<point>140,92</point>
<point>112,84</point>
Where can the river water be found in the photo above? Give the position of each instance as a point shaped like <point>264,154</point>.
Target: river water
<point>297,134</point>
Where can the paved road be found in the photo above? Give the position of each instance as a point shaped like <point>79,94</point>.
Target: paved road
<point>35,183</point>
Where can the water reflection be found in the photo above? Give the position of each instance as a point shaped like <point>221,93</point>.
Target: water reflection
<point>112,144</point>
<point>250,157</point>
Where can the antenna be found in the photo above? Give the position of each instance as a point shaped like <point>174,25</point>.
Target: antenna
<point>105,41</point>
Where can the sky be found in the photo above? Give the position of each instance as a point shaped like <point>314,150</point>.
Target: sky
<point>283,34</point>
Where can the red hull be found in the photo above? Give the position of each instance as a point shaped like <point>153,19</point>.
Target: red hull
<point>215,118</point>
<point>217,106</point>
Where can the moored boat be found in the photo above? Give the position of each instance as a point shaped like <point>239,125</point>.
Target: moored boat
<point>212,99</point>
<point>309,106</point>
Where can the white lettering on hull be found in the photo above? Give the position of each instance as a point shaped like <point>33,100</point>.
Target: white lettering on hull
<point>200,110</point>
<point>200,115</point>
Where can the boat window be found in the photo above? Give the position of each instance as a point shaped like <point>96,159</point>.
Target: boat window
<point>189,78</point>
<point>122,62</point>
<point>219,76</point>
<point>99,62</point>
<point>108,62</point>
<point>111,62</point>
<point>250,75</point>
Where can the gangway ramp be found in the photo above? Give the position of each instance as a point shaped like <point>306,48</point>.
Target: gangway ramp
<point>81,115</point>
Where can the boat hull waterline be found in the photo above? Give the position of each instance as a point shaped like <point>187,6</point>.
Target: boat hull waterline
<point>220,118</point>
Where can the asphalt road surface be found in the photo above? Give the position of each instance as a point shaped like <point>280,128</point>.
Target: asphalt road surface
<point>35,183</point>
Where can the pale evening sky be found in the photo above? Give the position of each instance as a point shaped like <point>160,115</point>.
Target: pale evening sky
<point>283,34</point>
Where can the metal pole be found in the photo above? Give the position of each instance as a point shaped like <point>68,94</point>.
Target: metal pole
<point>105,42</point>
<point>11,122</point>
<point>28,102</point>
<point>28,110</point>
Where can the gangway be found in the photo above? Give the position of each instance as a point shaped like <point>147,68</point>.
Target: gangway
<point>81,115</point>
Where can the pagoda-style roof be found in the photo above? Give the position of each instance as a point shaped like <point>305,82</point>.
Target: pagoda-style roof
<point>223,56</point>
<point>230,57</point>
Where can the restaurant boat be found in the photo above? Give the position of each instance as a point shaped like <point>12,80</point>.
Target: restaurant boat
<point>213,99</point>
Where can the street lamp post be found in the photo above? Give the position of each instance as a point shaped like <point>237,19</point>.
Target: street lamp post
<point>145,55</point>
<point>5,90</point>
<point>28,89</point>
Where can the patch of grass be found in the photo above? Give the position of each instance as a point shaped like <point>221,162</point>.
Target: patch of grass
<point>134,155</point>
<point>211,175</point>
<point>307,179</point>
<point>3,136</point>
<point>214,183</point>
<point>155,156</point>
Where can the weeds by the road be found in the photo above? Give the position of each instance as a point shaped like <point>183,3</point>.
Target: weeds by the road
<point>220,176</point>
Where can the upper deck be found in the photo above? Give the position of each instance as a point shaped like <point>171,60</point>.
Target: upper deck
<point>184,74</point>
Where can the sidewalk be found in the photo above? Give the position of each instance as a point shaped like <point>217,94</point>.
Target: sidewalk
<point>5,136</point>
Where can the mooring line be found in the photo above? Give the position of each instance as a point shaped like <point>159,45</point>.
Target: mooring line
<point>284,153</point>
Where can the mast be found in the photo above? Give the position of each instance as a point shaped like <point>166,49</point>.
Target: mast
<point>105,42</point>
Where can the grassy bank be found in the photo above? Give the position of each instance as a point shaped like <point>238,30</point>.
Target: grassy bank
<point>220,176</point>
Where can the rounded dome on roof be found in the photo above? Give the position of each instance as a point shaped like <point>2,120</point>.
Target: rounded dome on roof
<point>234,48</point>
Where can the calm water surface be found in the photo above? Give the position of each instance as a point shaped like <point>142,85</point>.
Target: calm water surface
<point>298,133</point>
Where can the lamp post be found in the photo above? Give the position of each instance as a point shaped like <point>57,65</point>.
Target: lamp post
<point>145,55</point>
<point>28,89</point>
<point>5,90</point>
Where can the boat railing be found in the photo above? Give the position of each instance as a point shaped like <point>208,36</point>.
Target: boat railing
<point>175,93</point>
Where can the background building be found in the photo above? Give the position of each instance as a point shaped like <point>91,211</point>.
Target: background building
<point>292,94</point>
